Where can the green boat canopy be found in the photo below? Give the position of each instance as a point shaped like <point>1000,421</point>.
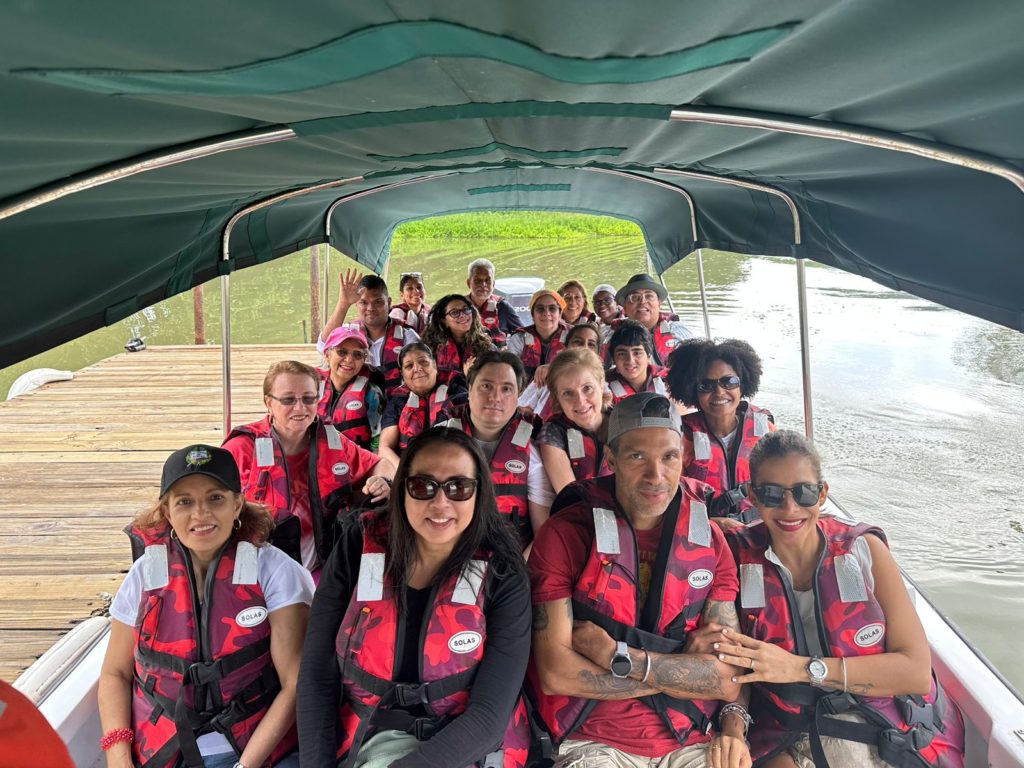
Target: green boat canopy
<point>132,133</point>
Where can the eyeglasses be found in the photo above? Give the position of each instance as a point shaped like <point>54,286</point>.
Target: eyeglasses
<point>604,302</point>
<point>356,354</point>
<point>638,297</point>
<point>546,308</point>
<point>423,488</point>
<point>464,312</point>
<point>726,382</point>
<point>289,400</point>
<point>804,494</point>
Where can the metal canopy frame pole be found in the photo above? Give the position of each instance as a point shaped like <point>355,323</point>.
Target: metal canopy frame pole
<point>851,134</point>
<point>703,294</point>
<point>805,346</point>
<point>225,249</point>
<point>225,342</point>
<point>805,338</point>
<point>141,164</point>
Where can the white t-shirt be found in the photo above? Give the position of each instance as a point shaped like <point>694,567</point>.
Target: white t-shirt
<point>284,582</point>
<point>538,487</point>
<point>805,598</point>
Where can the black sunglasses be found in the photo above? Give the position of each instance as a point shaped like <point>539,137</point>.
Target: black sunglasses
<point>726,382</point>
<point>804,494</point>
<point>423,488</point>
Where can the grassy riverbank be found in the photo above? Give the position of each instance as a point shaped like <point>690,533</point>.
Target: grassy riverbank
<point>516,225</point>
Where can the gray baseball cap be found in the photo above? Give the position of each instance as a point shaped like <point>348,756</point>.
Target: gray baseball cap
<point>646,409</point>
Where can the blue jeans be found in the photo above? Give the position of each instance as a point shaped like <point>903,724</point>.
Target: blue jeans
<point>228,759</point>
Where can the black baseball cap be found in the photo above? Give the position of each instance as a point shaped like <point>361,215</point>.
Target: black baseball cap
<point>201,460</point>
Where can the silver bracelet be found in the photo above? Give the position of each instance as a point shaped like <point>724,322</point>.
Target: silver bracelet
<point>736,709</point>
<point>647,670</point>
<point>842,659</point>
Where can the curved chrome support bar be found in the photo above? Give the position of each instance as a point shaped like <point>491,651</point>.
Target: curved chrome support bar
<point>366,192</point>
<point>141,164</point>
<point>805,336</point>
<point>852,134</point>
<point>766,188</point>
<point>225,284</point>
<point>703,294</point>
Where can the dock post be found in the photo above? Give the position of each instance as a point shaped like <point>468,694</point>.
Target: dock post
<point>198,316</point>
<point>314,291</point>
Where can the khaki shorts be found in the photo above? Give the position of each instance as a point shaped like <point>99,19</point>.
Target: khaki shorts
<point>840,753</point>
<point>594,754</point>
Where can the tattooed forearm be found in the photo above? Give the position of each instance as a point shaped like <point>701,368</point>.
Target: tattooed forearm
<point>861,689</point>
<point>687,676</point>
<point>610,688</point>
<point>540,618</point>
<point>723,612</point>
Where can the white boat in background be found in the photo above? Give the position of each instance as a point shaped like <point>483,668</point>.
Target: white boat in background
<point>193,141</point>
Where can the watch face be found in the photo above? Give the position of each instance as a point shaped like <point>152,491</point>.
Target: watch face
<point>817,670</point>
<point>621,666</point>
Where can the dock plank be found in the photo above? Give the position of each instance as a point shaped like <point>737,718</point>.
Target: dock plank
<point>79,458</point>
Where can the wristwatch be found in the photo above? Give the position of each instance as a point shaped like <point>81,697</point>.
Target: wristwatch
<point>621,664</point>
<point>817,671</point>
<point>238,764</point>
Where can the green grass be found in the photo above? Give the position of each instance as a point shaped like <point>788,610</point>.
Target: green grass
<point>517,225</point>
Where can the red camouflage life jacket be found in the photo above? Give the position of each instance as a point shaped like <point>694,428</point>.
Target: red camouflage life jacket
<point>450,358</point>
<point>585,451</point>
<point>533,351</point>
<point>330,485</point>
<point>489,318</point>
<point>909,731</point>
<point>347,409</point>
<point>621,389</point>
<point>453,644</point>
<point>606,594</point>
<point>726,470</point>
<point>415,319</point>
<point>419,414</point>
<point>510,467</point>
<point>199,667</point>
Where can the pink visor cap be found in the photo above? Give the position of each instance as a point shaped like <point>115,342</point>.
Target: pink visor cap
<point>343,333</point>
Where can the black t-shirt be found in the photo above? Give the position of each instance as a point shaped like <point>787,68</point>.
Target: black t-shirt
<point>491,699</point>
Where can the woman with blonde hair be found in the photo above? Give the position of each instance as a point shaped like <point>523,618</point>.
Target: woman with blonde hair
<point>207,629</point>
<point>307,472</point>
<point>571,441</point>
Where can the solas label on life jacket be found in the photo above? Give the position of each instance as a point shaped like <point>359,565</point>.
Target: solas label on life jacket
<point>465,642</point>
<point>251,617</point>
<point>515,466</point>
<point>701,578</point>
<point>870,635</point>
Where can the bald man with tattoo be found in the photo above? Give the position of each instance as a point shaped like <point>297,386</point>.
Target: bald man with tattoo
<point>623,575</point>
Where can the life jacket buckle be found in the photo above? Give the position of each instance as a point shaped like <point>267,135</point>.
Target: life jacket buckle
<point>837,703</point>
<point>892,742</point>
<point>411,694</point>
<point>423,728</point>
<point>916,714</point>
<point>203,672</point>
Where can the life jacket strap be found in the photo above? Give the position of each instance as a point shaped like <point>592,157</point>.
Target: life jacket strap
<point>632,636</point>
<point>409,694</point>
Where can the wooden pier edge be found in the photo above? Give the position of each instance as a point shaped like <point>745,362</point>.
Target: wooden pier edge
<point>79,458</point>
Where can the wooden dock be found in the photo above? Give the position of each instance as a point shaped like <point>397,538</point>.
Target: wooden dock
<point>79,458</point>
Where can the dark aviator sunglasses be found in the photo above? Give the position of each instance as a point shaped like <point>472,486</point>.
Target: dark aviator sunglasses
<point>424,488</point>
<point>726,382</point>
<point>772,495</point>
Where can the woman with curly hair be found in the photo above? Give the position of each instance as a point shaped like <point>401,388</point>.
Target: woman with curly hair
<point>576,309</point>
<point>455,335</point>
<point>718,437</point>
<point>207,628</point>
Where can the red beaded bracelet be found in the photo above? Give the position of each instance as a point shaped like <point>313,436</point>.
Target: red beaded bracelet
<point>116,736</point>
